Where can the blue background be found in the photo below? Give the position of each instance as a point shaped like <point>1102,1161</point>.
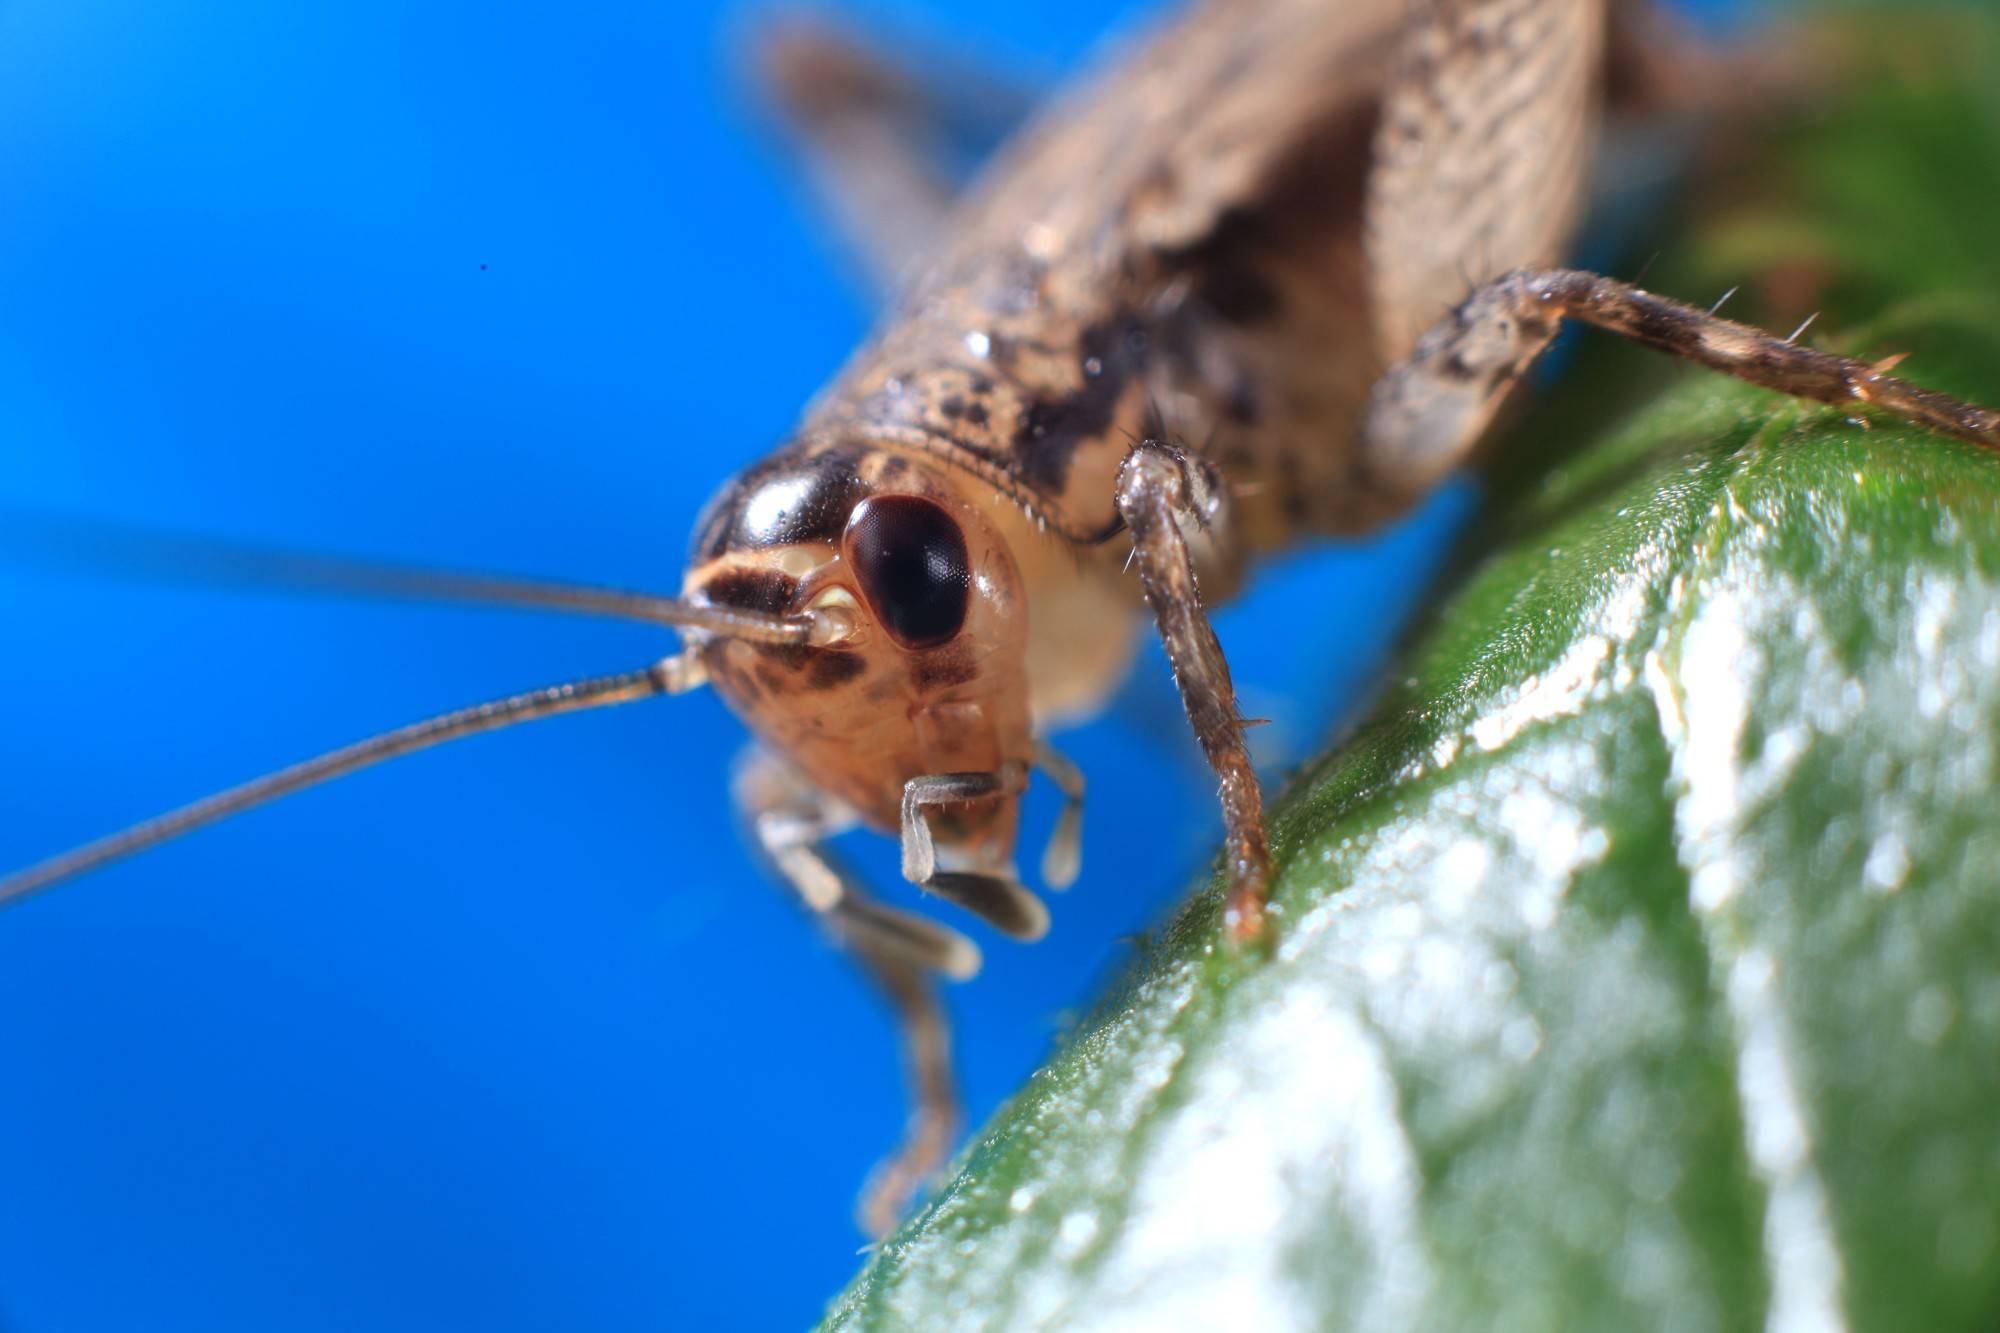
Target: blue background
<point>509,1035</point>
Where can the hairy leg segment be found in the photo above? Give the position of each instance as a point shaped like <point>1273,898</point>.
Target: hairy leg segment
<point>1426,414</point>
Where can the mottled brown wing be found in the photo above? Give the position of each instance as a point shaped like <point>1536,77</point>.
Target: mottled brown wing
<point>1481,153</point>
<point>1186,126</point>
<point>1179,230</point>
<point>884,133</point>
<point>1180,245</point>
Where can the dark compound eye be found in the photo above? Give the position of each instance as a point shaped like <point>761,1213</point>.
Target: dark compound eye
<point>909,557</point>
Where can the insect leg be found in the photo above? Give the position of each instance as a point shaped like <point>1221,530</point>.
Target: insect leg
<point>1062,859</point>
<point>934,1113</point>
<point>997,898</point>
<point>1159,488</point>
<point>1425,414</point>
<point>899,952</point>
<point>885,143</point>
<point>791,822</point>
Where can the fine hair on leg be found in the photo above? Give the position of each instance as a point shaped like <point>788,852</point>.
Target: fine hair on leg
<point>1159,487</point>
<point>1426,414</point>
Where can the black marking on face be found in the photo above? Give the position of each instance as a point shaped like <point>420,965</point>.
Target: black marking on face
<point>831,667</point>
<point>794,496</point>
<point>767,590</point>
<point>943,671</point>
<point>909,558</point>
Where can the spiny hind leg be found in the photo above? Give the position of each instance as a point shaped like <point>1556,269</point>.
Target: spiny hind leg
<point>900,952</point>
<point>1425,415</point>
<point>1160,488</point>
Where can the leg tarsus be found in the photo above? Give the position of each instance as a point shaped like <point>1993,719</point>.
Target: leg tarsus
<point>1006,905</point>
<point>1159,488</point>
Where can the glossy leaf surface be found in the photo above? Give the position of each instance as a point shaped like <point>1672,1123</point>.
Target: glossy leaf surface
<point>1639,963</point>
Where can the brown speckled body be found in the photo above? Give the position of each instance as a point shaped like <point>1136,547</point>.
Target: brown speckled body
<point>1174,249</point>
<point>1186,246</point>
<point>1177,250</point>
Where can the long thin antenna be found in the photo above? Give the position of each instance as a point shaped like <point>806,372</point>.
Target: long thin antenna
<point>670,676</point>
<point>124,550</point>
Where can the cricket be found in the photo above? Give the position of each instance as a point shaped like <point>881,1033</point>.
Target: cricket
<point>1268,273</point>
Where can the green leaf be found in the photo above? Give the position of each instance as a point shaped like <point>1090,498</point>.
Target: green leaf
<point>1639,964</point>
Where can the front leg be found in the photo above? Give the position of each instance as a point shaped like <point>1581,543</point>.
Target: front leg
<point>900,953</point>
<point>1159,488</point>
